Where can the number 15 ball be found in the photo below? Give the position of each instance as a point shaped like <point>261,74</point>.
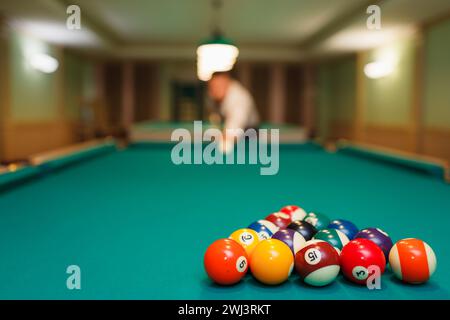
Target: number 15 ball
<point>226,262</point>
<point>317,263</point>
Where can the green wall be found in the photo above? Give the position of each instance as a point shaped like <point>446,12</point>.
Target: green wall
<point>323,101</point>
<point>389,99</point>
<point>437,76</point>
<point>73,78</point>
<point>335,99</point>
<point>79,84</point>
<point>37,96</point>
<point>32,92</point>
<point>344,84</point>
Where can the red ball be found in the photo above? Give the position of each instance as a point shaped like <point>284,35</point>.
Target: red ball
<point>294,212</point>
<point>226,261</point>
<point>280,219</point>
<point>357,256</point>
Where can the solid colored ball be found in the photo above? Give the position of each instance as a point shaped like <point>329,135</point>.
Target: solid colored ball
<point>356,258</point>
<point>334,237</point>
<point>412,260</point>
<point>318,220</point>
<point>247,238</point>
<point>306,229</point>
<point>280,219</point>
<point>379,237</point>
<point>264,228</point>
<point>294,212</point>
<point>225,261</point>
<point>317,263</point>
<point>347,227</point>
<point>272,262</point>
<point>291,238</point>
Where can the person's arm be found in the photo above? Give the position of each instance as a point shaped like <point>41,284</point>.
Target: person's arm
<point>214,116</point>
<point>238,111</point>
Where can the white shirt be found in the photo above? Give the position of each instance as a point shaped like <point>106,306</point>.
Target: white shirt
<point>238,108</point>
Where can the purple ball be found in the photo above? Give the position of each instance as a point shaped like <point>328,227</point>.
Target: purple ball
<point>379,237</point>
<point>293,239</point>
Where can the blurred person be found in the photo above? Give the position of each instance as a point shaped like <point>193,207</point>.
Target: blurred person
<point>236,105</point>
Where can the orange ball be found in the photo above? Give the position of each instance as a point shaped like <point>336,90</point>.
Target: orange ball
<point>272,262</point>
<point>412,260</point>
<point>247,238</point>
<point>225,261</point>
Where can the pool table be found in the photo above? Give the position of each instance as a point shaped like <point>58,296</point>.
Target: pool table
<point>137,225</point>
<point>160,131</point>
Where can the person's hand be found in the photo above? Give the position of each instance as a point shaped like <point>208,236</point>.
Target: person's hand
<point>226,145</point>
<point>214,119</point>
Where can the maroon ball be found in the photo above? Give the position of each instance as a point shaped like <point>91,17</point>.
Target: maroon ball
<point>280,219</point>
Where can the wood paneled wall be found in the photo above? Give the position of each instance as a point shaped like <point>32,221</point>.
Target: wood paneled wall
<point>436,142</point>
<point>260,86</point>
<point>22,139</point>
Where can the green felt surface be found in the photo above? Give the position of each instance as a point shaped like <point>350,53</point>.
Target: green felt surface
<point>138,225</point>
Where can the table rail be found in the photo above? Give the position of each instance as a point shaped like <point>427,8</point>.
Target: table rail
<point>396,155</point>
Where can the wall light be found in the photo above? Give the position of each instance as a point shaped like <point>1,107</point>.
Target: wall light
<point>378,69</point>
<point>44,63</point>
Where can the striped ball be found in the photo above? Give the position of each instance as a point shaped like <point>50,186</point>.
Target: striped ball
<point>412,260</point>
<point>334,237</point>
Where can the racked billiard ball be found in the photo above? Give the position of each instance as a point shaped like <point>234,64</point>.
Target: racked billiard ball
<point>317,263</point>
<point>294,212</point>
<point>264,228</point>
<point>306,229</point>
<point>225,261</point>
<point>291,238</point>
<point>280,219</point>
<point>345,226</point>
<point>334,237</point>
<point>379,237</point>
<point>318,220</point>
<point>247,238</point>
<point>412,260</point>
<point>356,258</point>
<point>272,262</point>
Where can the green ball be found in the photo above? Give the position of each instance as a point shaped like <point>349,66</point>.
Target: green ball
<point>318,220</point>
<point>336,238</point>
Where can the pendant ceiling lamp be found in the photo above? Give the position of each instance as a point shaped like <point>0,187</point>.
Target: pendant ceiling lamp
<point>216,53</point>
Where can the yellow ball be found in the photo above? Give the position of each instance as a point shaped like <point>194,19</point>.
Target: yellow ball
<point>247,238</point>
<point>272,262</point>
